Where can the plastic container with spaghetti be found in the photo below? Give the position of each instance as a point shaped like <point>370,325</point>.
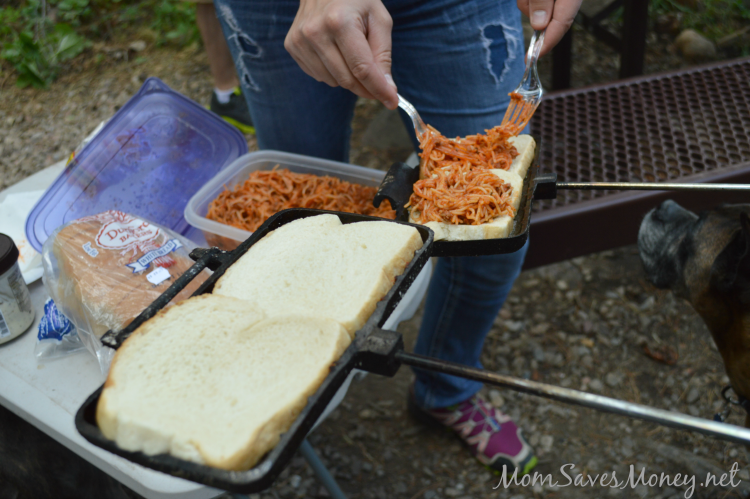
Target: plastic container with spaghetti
<point>227,237</point>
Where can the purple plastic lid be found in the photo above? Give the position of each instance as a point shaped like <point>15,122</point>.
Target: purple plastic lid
<point>157,151</point>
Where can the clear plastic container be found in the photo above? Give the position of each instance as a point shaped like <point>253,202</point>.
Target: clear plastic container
<point>148,160</point>
<point>227,237</point>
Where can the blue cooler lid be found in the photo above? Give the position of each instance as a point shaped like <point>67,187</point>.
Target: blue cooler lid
<point>157,151</point>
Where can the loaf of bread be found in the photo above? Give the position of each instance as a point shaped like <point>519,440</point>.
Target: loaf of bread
<point>211,381</point>
<point>319,267</point>
<point>107,265</point>
<point>503,225</point>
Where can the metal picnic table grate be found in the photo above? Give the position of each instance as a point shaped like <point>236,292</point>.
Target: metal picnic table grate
<point>686,126</point>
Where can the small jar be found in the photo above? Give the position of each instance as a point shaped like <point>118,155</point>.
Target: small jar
<point>16,312</point>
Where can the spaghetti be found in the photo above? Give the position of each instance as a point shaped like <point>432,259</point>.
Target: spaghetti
<point>490,151</point>
<point>461,195</point>
<point>267,192</point>
<point>455,183</point>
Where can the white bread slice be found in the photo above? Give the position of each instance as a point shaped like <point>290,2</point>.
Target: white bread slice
<point>516,184</point>
<point>502,225</point>
<point>525,146</point>
<point>499,227</point>
<point>212,382</point>
<point>322,269</point>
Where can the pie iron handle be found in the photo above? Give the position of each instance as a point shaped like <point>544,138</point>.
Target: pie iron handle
<point>211,258</point>
<point>545,186</point>
<point>397,187</point>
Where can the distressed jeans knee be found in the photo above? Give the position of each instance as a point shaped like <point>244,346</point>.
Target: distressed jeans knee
<point>502,43</point>
<point>241,45</point>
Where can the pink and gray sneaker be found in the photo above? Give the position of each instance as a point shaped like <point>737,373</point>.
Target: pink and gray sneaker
<point>492,436</point>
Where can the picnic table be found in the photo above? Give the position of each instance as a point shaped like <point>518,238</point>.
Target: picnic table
<point>691,125</point>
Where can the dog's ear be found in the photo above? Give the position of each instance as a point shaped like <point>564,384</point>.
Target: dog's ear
<point>731,269</point>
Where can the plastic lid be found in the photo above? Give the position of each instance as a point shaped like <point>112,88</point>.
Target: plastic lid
<point>8,253</point>
<point>157,151</point>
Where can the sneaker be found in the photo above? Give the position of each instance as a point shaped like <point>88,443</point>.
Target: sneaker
<point>492,436</point>
<point>235,111</point>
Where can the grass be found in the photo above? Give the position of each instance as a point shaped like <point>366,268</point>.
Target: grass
<point>37,37</point>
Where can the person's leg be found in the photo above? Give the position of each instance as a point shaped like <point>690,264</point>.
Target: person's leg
<point>464,297</point>
<point>219,58</point>
<point>457,61</point>
<point>226,98</point>
<point>292,112</point>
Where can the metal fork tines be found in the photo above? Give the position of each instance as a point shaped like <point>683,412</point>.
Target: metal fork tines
<point>526,97</point>
<point>419,127</point>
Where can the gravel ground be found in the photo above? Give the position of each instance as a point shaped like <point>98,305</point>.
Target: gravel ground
<point>581,324</point>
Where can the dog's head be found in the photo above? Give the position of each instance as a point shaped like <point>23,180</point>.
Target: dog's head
<point>704,259</point>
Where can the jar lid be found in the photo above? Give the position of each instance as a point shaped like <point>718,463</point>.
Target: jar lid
<point>8,253</point>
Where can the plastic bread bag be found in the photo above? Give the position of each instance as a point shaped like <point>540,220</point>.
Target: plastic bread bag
<point>103,270</point>
<point>56,335</point>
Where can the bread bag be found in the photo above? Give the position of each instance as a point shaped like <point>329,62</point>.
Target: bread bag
<point>103,270</point>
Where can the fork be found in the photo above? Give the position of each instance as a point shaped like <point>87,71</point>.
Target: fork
<point>419,127</point>
<point>526,97</point>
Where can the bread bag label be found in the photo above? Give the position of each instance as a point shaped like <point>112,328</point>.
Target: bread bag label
<point>143,262</point>
<point>129,235</point>
<point>125,233</point>
<point>92,252</point>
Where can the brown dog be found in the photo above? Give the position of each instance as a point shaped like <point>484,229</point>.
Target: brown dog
<point>706,260</point>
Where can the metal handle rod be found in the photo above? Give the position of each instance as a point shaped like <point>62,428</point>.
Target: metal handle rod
<point>637,411</point>
<point>651,186</point>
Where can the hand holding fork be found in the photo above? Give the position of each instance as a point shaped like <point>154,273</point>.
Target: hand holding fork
<point>523,100</point>
<point>526,97</point>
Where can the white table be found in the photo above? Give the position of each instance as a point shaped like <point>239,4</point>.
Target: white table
<point>48,395</point>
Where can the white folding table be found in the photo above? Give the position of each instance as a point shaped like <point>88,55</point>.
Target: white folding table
<point>48,394</point>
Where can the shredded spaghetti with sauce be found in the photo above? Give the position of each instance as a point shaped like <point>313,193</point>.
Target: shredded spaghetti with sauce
<point>455,183</point>
<point>490,151</point>
<point>461,195</point>
<point>267,192</point>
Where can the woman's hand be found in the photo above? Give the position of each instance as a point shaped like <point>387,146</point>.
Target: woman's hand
<point>345,43</point>
<point>555,15</point>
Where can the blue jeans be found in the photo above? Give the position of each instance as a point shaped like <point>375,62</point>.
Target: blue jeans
<point>456,61</point>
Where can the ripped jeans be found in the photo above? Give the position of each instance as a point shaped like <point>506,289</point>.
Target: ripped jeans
<point>456,61</point>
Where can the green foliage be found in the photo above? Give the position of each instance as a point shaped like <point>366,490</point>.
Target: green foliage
<point>172,20</point>
<point>712,18</point>
<point>38,36</point>
<point>34,46</point>
<point>176,20</point>
<point>73,11</point>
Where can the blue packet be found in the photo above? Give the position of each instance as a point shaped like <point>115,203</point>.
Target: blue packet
<point>57,336</point>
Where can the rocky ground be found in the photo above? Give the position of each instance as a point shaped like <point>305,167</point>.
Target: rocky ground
<point>584,324</point>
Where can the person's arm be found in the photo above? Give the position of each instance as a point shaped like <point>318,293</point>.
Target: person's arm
<point>555,15</point>
<point>345,43</point>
